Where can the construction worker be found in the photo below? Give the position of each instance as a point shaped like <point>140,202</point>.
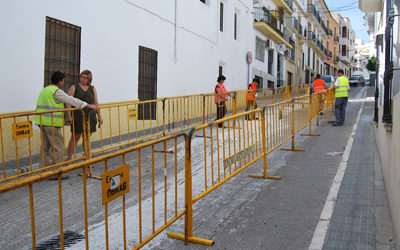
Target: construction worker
<point>220,95</point>
<point>341,88</point>
<point>319,87</point>
<point>251,97</point>
<point>51,98</point>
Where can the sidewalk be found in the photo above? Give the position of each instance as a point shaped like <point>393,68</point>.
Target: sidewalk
<point>247,213</point>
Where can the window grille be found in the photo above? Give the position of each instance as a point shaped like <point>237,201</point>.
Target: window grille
<point>260,50</point>
<point>62,51</point>
<point>147,80</point>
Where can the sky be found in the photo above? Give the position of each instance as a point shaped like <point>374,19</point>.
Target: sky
<point>349,8</point>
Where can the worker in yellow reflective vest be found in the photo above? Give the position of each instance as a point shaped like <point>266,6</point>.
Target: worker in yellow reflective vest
<point>251,97</point>
<point>341,88</point>
<point>53,98</point>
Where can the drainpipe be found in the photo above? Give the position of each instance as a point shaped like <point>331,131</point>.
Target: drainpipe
<point>175,30</point>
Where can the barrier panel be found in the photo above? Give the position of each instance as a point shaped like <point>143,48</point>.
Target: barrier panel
<point>132,122</point>
<point>140,195</point>
<point>22,146</point>
<point>230,145</point>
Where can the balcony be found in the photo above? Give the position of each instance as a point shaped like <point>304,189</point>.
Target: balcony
<point>295,23</point>
<point>336,59</point>
<point>330,54</point>
<point>265,22</point>
<point>315,13</point>
<point>336,39</point>
<point>330,32</point>
<point>311,37</point>
<point>285,4</point>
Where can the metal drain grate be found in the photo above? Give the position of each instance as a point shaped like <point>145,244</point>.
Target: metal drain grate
<point>70,238</point>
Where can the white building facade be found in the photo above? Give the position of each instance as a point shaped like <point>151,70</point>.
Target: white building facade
<point>384,28</point>
<point>135,49</point>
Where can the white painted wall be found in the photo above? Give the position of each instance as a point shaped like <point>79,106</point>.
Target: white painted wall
<point>112,32</point>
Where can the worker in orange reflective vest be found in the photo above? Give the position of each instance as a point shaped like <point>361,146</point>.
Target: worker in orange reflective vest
<point>319,87</point>
<point>251,97</point>
<point>220,95</point>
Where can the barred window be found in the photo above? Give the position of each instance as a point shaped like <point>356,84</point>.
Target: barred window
<point>147,79</point>
<point>260,49</point>
<point>62,51</point>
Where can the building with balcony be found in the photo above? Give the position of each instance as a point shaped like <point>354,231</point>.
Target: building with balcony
<point>302,74</point>
<point>344,43</point>
<point>317,33</point>
<point>332,46</point>
<point>274,42</point>
<point>384,29</point>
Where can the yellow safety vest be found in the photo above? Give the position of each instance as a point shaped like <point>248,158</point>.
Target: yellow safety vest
<point>46,102</point>
<point>343,89</point>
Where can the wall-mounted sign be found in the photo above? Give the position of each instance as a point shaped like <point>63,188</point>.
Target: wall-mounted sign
<point>249,57</point>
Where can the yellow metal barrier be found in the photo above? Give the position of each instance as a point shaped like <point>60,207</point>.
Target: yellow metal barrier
<point>230,145</point>
<point>22,147</point>
<point>155,184</point>
<point>133,122</point>
<point>150,185</point>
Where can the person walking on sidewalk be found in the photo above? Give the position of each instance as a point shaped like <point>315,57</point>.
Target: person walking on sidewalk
<point>220,95</point>
<point>319,87</point>
<point>251,97</point>
<point>50,99</point>
<point>341,88</point>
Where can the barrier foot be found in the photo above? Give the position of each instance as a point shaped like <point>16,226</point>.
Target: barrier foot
<point>265,177</point>
<point>191,239</point>
<point>293,149</point>
<point>92,176</point>
<point>162,151</point>
<point>309,134</point>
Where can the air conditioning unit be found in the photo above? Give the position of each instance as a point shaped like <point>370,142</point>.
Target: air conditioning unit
<point>268,45</point>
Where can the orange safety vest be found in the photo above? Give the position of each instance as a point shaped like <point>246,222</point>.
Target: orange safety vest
<point>222,96</point>
<point>250,96</point>
<point>319,86</point>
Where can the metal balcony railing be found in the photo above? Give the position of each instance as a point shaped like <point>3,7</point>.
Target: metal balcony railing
<point>330,32</point>
<point>286,34</point>
<point>330,54</point>
<point>290,3</point>
<point>300,30</point>
<point>336,59</point>
<point>336,39</point>
<point>293,50</point>
<point>295,23</point>
<point>313,10</point>
<point>312,37</point>
<point>264,15</point>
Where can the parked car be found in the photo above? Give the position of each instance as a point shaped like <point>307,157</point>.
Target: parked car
<point>367,81</point>
<point>357,80</point>
<point>329,79</point>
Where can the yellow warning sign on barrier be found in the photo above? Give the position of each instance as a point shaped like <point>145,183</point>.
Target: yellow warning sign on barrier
<point>22,130</point>
<point>240,155</point>
<point>115,183</point>
<point>132,113</point>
